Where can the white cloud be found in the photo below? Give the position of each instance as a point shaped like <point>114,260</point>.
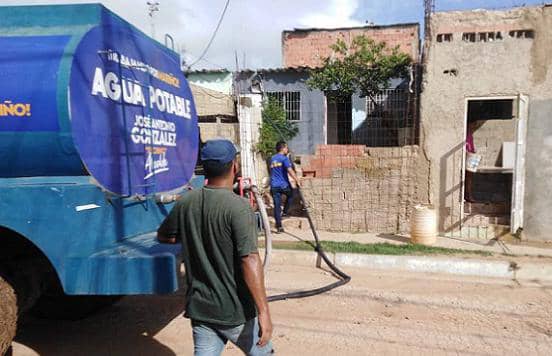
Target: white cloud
<point>250,27</point>
<point>339,14</point>
<point>254,27</point>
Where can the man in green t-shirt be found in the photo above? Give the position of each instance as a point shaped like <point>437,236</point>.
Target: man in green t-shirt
<point>225,294</point>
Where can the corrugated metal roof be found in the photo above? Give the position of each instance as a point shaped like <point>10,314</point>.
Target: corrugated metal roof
<point>251,70</point>
<point>368,27</point>
<point>277,70</point>
<point>208,71</point>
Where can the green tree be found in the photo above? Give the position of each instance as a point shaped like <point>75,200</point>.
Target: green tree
<point>275,127</point>
<point>365,67</point>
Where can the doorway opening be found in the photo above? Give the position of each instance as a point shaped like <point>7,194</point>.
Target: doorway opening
<point>339,129</point>
<point>488,170</point>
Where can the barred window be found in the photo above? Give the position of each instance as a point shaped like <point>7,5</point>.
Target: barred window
<point>522,34</point>
<point>390,120</point>
<point>290,101</point>
<point>469,37</point>
<point>444,37</point>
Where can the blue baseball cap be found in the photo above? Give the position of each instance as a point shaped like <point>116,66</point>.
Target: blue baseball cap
<point>220,150</point>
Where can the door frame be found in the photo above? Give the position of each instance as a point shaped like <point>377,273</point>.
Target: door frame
<point>335,125</point>
<point>521,149</point>
<point>518,180</point>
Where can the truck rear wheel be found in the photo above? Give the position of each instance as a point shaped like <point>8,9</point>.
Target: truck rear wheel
<point>8,311</point>
<point>70,307</point>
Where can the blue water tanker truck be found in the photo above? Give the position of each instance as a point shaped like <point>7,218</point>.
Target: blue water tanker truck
<point>97,123</point>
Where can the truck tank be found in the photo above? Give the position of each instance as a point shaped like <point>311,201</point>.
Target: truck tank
<point>96,121</point>
<point>82,92</point>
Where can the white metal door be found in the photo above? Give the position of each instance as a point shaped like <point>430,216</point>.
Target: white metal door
<point>518,182</point>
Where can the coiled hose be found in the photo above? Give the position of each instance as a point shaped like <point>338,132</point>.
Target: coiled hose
<point>343,277</point>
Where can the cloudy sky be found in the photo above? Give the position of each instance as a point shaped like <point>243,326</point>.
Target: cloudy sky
<point>253,28</point>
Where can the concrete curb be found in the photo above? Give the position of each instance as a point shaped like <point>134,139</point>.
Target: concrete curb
<point>506,268</point>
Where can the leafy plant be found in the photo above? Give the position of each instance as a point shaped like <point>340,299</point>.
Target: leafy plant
<point>275,127</point>
<point>365,67</point>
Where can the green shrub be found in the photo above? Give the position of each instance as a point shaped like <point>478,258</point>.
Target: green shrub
<point>275,127</point>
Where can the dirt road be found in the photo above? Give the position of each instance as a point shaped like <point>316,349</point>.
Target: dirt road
<point>377,313</point>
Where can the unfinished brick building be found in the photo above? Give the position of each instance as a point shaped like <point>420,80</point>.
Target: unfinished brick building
<point>308,47</point>
<point>488,74</point>
<point>362,174</point>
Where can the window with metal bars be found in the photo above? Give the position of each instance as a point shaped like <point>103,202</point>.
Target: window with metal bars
<point>390,120</point>
<point>290,101</point>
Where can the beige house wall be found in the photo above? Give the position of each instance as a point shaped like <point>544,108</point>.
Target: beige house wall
<point>458,70</point>
<point>209,102</point>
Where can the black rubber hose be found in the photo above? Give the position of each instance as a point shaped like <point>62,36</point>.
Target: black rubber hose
<point>344,278</point>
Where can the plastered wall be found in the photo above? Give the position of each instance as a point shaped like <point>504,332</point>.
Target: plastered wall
<point>457,70</point>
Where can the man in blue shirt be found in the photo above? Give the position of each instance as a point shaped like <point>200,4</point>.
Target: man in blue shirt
<point>280,167</point>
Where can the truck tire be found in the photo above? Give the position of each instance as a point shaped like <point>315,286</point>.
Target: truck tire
<point>8,311</point>
<point>70,307</point>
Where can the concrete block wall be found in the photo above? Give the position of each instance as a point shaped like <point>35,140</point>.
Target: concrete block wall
<point>488,140</point>
<point>353,188</point>
<point>211,130</point>
<point>307,48</point>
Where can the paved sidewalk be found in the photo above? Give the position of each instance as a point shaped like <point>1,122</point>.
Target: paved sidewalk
<point>298,229</point>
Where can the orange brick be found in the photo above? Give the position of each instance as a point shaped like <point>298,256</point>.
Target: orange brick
<point>298,45</point>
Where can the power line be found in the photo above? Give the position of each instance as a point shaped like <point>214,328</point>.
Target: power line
<point>213,35</point>
<point>216,65</point>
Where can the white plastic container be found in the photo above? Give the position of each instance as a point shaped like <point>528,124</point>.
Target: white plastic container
<point>423,225</point>
<point>472,162</point>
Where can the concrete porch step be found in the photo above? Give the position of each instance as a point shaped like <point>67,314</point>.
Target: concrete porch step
<point>483,220</point>
<point>486,233</point>
<point>487,208</point>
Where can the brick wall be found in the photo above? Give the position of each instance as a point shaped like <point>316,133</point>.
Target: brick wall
<point>307,48</point>
<point>361,189</point>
